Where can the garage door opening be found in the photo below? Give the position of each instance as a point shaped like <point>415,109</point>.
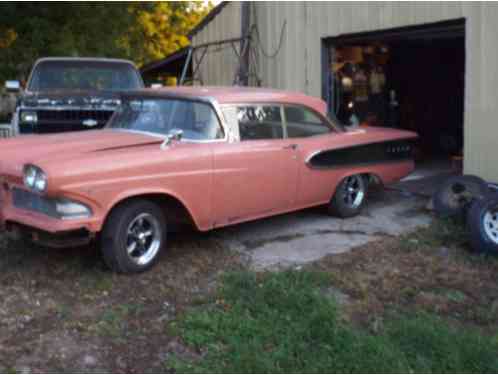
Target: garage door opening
<point>410,78</point>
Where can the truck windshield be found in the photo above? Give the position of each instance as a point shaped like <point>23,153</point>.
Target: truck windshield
<point>84,75</point>
<point>196,120</point>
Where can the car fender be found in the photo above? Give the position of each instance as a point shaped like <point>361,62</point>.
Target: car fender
<point>136,193</point>
<point>384,173</point>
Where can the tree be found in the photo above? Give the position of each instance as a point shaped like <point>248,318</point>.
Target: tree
<point>161,28</point>
<point>141,32</point>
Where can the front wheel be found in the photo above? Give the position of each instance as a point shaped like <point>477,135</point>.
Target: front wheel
<point>133,236</point>
<point>349,197</point>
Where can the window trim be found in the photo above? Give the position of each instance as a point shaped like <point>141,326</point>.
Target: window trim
<point>325,120</point>
<point>209,102</point>
<point>333,127</point>
<point>263,104</point>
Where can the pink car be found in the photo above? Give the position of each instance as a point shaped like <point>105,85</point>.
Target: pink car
<point>208,156</point>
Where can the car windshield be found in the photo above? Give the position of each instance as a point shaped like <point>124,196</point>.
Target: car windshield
<point>196,120</point>
<point>84,75</point>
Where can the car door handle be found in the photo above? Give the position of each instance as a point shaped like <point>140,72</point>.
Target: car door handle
<point>290,147</point>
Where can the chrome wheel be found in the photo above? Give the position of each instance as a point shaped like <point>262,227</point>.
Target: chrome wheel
<point>353,191</point>
<point>491,225</point>
<point>143,239</point>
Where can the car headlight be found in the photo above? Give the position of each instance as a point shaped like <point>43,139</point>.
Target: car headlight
<point>29,117</point>
<point>35,179</point>
<point>68,209</point>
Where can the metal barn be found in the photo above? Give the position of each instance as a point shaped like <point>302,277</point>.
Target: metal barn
<point>437,61</point>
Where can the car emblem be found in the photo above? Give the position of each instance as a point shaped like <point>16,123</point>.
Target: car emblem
<point>90,122</point>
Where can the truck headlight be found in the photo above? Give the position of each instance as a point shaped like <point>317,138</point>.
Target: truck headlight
<point>30,117</point>
<point>68,209</point>
<point>35,179</point>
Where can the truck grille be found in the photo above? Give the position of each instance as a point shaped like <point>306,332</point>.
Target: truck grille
<point>56,121</point>
<point>5,131</point>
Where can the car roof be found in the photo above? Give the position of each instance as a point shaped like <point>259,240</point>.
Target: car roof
<point>90,59</point>
<point>239,95</point>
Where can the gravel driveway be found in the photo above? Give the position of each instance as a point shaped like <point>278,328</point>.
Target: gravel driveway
<point>308,235</point>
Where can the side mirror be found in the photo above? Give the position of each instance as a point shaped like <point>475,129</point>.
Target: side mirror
<point>12,86</point>
<point>173,135</point>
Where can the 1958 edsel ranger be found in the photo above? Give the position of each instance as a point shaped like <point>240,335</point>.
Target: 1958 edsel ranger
<point>209,156</point>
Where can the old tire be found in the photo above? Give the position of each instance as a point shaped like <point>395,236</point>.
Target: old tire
<point>482,223</point>
<point>349,197</point>
<point>457,193</point>
<point>133,236</point>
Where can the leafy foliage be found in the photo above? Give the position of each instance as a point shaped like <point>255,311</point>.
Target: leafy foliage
<point>138,31</point>
<point>282,323</point>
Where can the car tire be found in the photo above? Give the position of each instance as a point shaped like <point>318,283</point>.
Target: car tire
<point>457,193</point>
<point>482,223</point>
<point>133,236</point>
<point>349,197</point>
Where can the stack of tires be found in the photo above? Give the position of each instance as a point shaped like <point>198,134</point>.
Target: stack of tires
<point>470,198</point>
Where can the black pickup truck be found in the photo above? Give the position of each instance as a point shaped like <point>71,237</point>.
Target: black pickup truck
<point>71,94</point>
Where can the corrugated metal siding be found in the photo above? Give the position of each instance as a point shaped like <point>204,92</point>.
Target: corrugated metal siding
<point>299,61</point>
<point>298,64</point>
<point>481,92</point>
<point>220,64</point>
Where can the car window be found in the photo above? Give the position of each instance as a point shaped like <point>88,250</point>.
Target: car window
<point>302,122</point>
<point>259,122</point>
<point>197,120</point>
<point>84,75</point>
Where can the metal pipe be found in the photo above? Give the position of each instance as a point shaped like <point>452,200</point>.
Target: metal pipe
<point>185,67</point>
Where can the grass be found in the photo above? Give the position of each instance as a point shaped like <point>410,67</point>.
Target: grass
<point>114,321</point>
<point>448,233</point>
<point>283,322</point>
<point>441,232</point>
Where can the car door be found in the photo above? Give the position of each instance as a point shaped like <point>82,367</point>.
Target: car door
<point>311,133</point>
<point>255,175</point>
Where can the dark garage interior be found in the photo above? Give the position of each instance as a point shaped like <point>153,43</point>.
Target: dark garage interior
<point>411,78</point>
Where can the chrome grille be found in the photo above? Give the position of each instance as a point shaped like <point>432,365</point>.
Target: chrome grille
<point>30,201</point>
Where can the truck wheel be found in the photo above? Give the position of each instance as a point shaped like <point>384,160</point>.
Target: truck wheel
<point>457,193</point>
<point>482,222</point>
<point>133,236</point>
<point>349,197</point>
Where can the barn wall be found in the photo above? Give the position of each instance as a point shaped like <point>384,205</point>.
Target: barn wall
<point>220,64</point>
<point>297,66</point>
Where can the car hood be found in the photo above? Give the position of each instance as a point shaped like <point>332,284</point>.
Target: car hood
<point>50,149</point>
<point>75,98</point>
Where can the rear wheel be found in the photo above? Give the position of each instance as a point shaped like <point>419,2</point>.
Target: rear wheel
<point>349,197</point>
<point>133,236</point>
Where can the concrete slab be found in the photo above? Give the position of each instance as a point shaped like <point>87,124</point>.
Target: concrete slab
<point>305,236</point>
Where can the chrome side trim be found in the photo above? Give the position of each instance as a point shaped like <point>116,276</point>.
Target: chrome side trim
<point>365,164</point>
<point>312,155</point>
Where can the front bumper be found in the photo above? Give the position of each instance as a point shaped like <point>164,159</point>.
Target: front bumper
<point>58,240</point>
<point>43,229</point>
